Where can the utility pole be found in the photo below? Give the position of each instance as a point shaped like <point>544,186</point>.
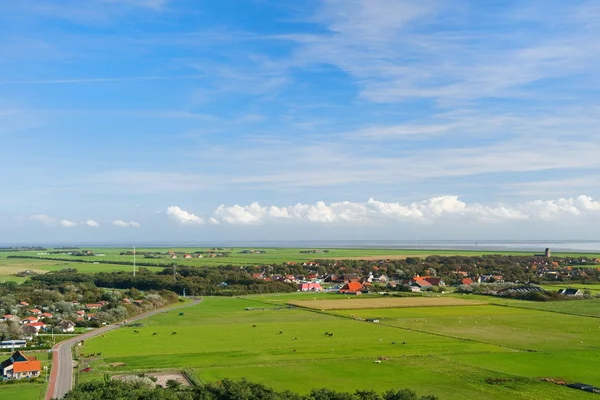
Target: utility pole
<point>134,261</point>
<point>174,271</point>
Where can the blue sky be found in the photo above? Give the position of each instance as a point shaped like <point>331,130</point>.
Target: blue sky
<point>334,119</point>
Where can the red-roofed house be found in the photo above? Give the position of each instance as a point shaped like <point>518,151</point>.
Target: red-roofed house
<point>46,315</point>
<point>38,325</point>
<point>93,306</point>
<point>310,287</point>
<point>24,303</point>
<point>467,281</point>
<point>18,366</point>
<point>352,288</point>
<point>29,320</point>
<point>9,317</point>
<point>35,311</point>
<point>80,312</point>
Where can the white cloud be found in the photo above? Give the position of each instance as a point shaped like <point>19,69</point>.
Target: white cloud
<point>213,221</point>
<point>123,224</point>
<point>43,218</point>
<point>183,216</point>
<point>246,215</point>
<point>92,223</point>
<point>68,224</point>
<point>426,211</point>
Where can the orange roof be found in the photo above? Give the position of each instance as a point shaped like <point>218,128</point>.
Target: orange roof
<point>27,366</point>
<point>353,286</point>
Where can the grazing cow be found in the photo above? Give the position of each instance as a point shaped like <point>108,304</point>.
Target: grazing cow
<point>281,332</point>
<point>295,338</point>
<point>254,326</point>
<point>403,342</point>
<point>326,333</point>
<point>155,333</point>
<point>173,333</point>
<point>135,332</point>
<point>102,336</point>
<point>377,361</point>
<point>99,354</point>
<point>393,342</point>
<point>294,350</point>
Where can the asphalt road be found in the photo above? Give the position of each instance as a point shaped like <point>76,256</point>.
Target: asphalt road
<point>61,376</point>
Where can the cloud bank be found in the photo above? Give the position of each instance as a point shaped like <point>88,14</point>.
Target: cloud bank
<point>123,224</point>
<point>427,211</point>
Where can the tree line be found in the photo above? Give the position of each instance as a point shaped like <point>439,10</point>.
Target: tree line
<point>222,390</point>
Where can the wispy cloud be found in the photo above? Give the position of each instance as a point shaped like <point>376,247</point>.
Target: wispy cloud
<point>68,224</point>
<point>123,224</point>
<point>43,218</point>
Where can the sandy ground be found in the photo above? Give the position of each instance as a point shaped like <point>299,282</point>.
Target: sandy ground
<point>163,377</point>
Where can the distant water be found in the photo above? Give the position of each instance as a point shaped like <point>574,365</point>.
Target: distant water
<point>500,245</point>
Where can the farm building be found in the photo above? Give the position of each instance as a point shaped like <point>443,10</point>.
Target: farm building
<point>65,326</point>
<point>13,344</point>
<point>352,288</point>
<point>18,367</point>
<point>309,287</point>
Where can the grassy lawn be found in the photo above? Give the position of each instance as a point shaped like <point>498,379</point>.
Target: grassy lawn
<point>441,356</point>
<point>23,391</point>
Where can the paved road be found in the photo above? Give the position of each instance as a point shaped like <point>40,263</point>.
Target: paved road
<point>61,377</point>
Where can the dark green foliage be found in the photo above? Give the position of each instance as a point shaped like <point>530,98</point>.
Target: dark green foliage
<point>223,390</point>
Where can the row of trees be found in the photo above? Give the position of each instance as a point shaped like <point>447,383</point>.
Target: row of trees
<point>226,389</point>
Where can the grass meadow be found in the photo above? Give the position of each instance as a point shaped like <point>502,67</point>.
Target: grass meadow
<point>271,255</point>
<point>449,351</point>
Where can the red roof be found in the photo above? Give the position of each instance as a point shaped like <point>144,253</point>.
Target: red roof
<point>8,316</point>
<point>47,315</point>
<point>352,287</point>
<point>97,305</point>
<point>41,324</point>
<point>27,366</point>
<point>30,319</point>
<point>35,311</point>
<point>80,312</point>
<point>24,303</point>
<point>467,281</point>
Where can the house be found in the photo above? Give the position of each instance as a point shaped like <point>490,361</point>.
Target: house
<point>46,315</point>
<point>93,306</point>
<point>381,279</point>
<point>570,292</point>
<point>352,288</point>
<point>28,332</point>
<point>18,367</point>
<point>435,281</point>
<point>9,317</point>
<point>29,320</point>
<point>38,325</point>
<point>309,287</point>
<point>126,300</point>
<point>35,311</point>
<point>415,289</point>
<point>66,326</point>
<point>346,278</point>
<point>24,303</point>
<point>188,256</point>
<point>466,281</point>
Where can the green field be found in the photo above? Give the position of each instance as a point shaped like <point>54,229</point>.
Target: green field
<point>450,351</point>
<point>23,391</point>
<point>10,266</point>
<point>271,255</point>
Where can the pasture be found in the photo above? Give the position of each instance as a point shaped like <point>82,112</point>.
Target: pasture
<point>269,256</point>
<point>355,303</point>
<point>423,348</point>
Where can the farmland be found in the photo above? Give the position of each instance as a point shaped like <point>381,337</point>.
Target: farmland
<point>237,256</point>
<point>384,302</point>
<point>452,351</point>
